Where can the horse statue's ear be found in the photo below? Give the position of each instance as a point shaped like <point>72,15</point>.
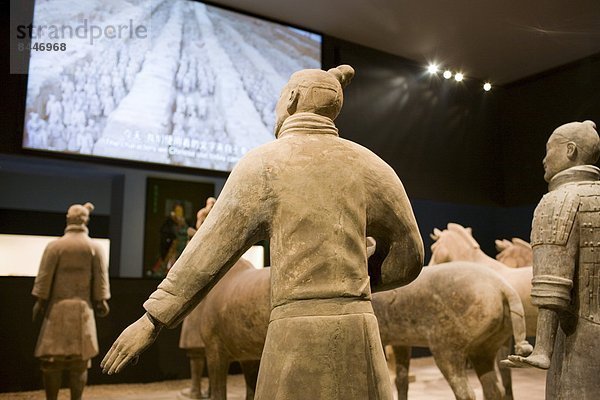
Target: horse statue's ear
<point>500,245</point>
<point>436,234</point>
<point>503,244</point>
<point>470,230</point>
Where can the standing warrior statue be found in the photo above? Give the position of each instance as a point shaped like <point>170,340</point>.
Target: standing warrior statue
<point>72,282</point>
<point>316,197</point>
<point>565,237</point>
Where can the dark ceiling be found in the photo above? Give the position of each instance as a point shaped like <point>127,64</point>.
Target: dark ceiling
<point>497,40</point>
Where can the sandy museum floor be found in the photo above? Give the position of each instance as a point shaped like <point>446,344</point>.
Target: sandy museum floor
<point>429,385</point>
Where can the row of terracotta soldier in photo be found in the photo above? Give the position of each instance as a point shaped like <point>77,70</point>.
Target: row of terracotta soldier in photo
<point>317,318</point>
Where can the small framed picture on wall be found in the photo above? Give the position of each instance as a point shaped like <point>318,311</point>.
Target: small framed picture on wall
<point>171,207</point>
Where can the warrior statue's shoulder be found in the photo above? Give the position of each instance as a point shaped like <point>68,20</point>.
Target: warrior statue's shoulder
<point>554,217</point>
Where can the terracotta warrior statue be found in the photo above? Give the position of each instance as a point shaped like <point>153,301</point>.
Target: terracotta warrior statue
<point>190,339</point>
<point>72,284</point>
<point>565,237</point>
<point>316,197</point>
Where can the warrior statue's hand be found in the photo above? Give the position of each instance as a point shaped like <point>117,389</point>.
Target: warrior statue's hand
<point>191,232</point>
<point>102,308</point>
<point>128,346</point>
<point>39,308</point>
<point>533,361</point>
<point>371,246</point>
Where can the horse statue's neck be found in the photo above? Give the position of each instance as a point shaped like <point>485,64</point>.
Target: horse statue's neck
<point>480,257</point>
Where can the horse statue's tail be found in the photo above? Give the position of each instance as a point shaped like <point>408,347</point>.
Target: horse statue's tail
<point>517,317</point>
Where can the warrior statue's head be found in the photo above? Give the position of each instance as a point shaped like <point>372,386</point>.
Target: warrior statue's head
<point>570,145</point>
<point>79,214</point>
<point>315,91</point>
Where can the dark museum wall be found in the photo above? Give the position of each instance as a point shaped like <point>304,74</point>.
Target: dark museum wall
<point>530,110</point>
<point>464,156</point>
<point>435,133</point>
<point>439,136</point>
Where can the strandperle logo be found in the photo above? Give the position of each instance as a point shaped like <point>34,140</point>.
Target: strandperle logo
<point>83,30</point>
<point>52,29</point>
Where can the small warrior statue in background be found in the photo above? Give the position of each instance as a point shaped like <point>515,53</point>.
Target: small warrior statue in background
<point>71,284</point>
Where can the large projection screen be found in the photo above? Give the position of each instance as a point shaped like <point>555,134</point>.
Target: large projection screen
<point>174,82</point>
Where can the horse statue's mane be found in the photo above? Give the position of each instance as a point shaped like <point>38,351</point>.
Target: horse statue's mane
<point>514,253</point>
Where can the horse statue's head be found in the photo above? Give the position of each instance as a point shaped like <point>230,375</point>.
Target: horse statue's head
<point>516,253</point>
<point>456,243</point>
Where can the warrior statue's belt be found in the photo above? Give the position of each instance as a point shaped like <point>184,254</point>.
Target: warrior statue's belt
<point>322,307</point>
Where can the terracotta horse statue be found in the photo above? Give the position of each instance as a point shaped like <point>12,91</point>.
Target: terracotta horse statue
<point>461,312</point>
<point>456,243</point>
<point>514,253</point>
<point>235,317</point>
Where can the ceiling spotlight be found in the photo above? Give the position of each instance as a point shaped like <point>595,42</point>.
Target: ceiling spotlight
<point>432,69</point>
<point>447,74</point>
<point>487,86</point>
<point>458,77</point>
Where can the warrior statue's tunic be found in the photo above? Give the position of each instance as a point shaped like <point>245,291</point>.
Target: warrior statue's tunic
<point>566,267</point>
<point>316,196</point>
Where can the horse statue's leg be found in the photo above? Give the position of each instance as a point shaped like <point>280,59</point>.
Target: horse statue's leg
<point>505,372</point>
<point>453,364</point>
<point>218,366</point>
<point>402,356</point>
<point>250,369</point>
<point>486,367</point>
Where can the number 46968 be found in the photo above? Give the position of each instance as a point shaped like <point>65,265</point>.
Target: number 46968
<point>49,46</point>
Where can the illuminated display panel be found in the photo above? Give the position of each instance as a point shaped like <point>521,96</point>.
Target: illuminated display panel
<point>173,82</point>
<point>20,255</point>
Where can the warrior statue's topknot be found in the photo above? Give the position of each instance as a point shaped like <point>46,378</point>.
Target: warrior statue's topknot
<point>79,214</point>
<point>343,73</point>
<point>590,123</point>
